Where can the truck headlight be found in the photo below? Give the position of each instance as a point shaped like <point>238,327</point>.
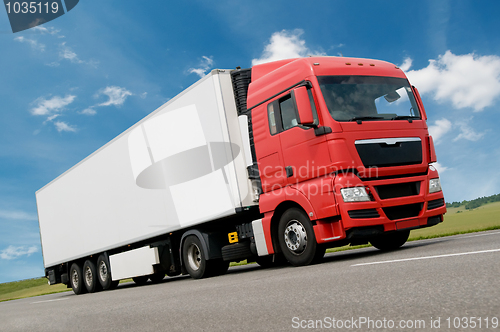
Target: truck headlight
<point>434,185</point>
<point>356,194</point>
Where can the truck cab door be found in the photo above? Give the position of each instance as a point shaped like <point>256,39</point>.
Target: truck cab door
<point>305,155</point>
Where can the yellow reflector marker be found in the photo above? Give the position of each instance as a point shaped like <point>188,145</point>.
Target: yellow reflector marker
<point>233,237</point>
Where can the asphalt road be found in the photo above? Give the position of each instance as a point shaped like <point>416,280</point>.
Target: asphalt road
<point>425,282</point>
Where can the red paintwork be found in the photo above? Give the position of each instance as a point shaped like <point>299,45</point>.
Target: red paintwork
<point>314,158</point>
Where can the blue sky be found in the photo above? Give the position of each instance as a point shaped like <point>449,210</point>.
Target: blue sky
<point>73,84</point>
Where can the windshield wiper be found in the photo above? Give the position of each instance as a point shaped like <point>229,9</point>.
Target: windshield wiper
<point>406,117</point>
<point>359,119</point>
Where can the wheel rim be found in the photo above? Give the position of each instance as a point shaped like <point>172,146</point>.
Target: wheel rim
<point>88,276</point>
<point>295,237</point>
<point>103,271</point>
<point>74,279</point>
<point>194,256</point>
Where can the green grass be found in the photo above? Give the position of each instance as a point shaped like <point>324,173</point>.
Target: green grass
<point>456,221</point>
<point>28,288</point>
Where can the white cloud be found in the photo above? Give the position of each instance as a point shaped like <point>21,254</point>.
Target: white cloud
<point>63,126</point>
<point>466,132</point>
<point>17,215</point>
<point>88,111</point>
<point>67,53</point>
<point>116,95</point>
<point>406,64</point>
<point>33,43</point>
<point>439,128</point>
<point>45,30</point>
<point>465,80</point>
<point>440,168</point>
<point>285,45</point>
<point>205,64</point>
<point>12,252</point>
<point>53,105</point>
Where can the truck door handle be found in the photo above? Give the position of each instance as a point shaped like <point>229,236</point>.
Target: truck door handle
<point>289,171</point>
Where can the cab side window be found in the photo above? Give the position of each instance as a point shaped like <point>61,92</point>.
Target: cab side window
<point>272,119</point>
<point>283,115</point>
<point>288,113</point>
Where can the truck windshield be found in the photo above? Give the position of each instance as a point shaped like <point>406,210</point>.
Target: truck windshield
<point>368,98</point>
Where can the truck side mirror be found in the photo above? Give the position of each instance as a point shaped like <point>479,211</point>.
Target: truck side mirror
<point>303,106</point>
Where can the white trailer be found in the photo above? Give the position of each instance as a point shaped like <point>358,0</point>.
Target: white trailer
<point>183,165</point>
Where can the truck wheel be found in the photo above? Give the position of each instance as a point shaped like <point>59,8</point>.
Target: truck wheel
<point>104,272</point>
<point>90,276</point>
<point>76,279</point>
<point>194,258</point>
<point>390,241</point>
<point>141,280</point>
<point>320,253</point>
<point>157,277</point>
<point>296,237</point>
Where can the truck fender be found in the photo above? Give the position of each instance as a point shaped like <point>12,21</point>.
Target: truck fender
<point>211,243</point>
<point>270,201</point>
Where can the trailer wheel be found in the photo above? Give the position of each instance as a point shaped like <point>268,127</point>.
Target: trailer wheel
<point>104,272</point>
<point>296,237</point>
<point>141,280</point>
<point>194,258</point>
<point>76,279</point>
<point>390,241</point>
<point>90,279</point>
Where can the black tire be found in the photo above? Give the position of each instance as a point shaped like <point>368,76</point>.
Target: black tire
<point>390,241</point>
<point>320,253</point>
<point>157,277</point>
<point>90,279</point>
<point>104,272</point>
<point>76,279</point>
<point>194,258</point>
<point>296,237</point>
<point>141,280</point>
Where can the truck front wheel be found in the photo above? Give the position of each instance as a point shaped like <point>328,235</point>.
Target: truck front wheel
<point>296,237</point>
<point>390,241</point>
<point>76,279</point>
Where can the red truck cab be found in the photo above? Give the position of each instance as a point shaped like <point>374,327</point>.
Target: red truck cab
<point>343,155</point>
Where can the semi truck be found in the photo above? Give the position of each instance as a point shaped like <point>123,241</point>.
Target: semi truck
<point>274,163</point>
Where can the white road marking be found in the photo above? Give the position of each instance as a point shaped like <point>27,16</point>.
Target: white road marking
<point>428,257</point>
<point>49,300</point>
<point>483,234</point>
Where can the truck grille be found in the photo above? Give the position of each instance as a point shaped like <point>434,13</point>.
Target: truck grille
<point>398,190</point>
<point>390,152</point>
<point>403,211</point>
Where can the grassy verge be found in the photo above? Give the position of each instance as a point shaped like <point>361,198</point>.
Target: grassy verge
<point>456,221</point>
